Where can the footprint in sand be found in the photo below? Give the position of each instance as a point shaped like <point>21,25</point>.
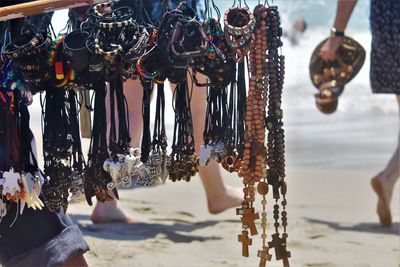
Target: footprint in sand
<point>145,210</point>
<point>184,213</point>
<point>316,236</point>
<point>319,264</point>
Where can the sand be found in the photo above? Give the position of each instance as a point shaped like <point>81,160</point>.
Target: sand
<point>331,223</point>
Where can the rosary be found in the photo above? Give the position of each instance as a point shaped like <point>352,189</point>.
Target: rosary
<point>257,39</point>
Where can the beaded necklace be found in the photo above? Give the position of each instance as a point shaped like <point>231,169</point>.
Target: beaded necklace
<point>266,70</point>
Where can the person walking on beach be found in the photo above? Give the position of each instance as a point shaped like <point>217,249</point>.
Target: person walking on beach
<point>384,77</point>
<point>295,33</point>
<point>219,196</point>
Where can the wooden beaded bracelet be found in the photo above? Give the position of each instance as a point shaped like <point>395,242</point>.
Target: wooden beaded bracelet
<point>237,42</point>
<point>239,30</point>
<point>239,35</point>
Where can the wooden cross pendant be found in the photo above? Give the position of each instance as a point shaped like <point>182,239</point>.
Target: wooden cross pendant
<point>246,242</point>
<point>248,221</point>
<point>280,249</point>
<point>264,256</point>
<point>244,210</point>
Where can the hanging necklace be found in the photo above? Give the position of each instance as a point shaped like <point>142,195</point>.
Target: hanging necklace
<point>266,67</point>
<point>184,162</point>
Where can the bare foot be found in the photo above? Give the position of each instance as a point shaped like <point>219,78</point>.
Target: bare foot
<point>108,212</point>
<point>383,189</point>
<point>231,198</point>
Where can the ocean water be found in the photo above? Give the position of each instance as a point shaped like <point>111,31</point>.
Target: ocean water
<point>362,133</point>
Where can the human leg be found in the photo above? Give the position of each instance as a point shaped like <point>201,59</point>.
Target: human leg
<point>109,211</point>
<point>219,196</point>
<point>384,182</point>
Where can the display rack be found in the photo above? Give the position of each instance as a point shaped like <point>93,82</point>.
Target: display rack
<point>41,6</point>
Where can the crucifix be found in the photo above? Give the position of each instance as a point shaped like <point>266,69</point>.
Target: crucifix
<point>246,242</point>
<point>248,221</point>
<point>264,256</point>
<point>245,209</point>
<point>280,249</point>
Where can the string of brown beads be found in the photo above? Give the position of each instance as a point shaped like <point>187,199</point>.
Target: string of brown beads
<point>266,74</point>
<point>276,145</point>
<point>253,165</point>
<point>260,13</point>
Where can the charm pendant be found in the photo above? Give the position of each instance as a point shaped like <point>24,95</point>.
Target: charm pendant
<point>206,152</point>
<point>143,175</point>
<point>166,161</point>
<point>77,189</point>
<point>10,183</point>
<point>32,187</point>
<point>219,151</point>
<point>215,151</point>
<point>155,166</point>
<point>131,162</point>
<point>3,209</point>
<point>115,170</point>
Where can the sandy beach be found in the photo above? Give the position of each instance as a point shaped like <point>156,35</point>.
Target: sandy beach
<point>331,217</point>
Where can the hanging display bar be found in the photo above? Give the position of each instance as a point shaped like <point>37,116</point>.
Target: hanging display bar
<point>41,6</point>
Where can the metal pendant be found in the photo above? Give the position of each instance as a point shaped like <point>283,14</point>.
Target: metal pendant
<point>3,209</point>
<point>206,152</point>
<point>10,182</point>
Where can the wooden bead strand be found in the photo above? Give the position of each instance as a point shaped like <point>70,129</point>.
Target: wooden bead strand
<point>253,165</point>
<point>276,146</point>
<point>260,13</point>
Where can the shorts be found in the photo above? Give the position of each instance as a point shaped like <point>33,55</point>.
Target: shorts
<point>385,47</point>
<point>39,238</point>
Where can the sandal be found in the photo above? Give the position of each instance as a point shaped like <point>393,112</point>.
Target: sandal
<point>330,77</point>
<point>327,97</point>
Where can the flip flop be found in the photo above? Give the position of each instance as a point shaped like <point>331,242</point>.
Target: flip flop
<point>330,77</point>
<point>327,97</point>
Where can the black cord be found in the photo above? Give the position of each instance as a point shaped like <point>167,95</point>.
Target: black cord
<point>146,136</point>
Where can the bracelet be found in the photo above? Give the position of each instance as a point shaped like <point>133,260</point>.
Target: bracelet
<point>336,33</point>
